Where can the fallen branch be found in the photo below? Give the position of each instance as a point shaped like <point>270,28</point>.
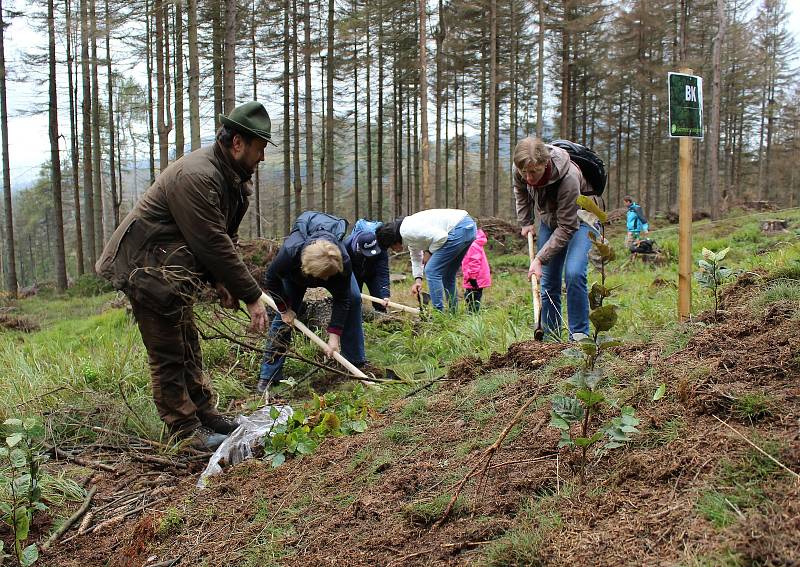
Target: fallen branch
<point>760,450</point>
<point>158,460</point>
<point>119,518</point>
<point>487,454</point>
<point>67,456</point>
<point>72,519</point>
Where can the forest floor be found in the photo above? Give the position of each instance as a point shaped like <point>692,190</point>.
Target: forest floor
<point>710,480</point>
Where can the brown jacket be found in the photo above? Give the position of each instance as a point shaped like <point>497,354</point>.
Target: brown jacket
<point>186,224</point>
<point>554,203</point>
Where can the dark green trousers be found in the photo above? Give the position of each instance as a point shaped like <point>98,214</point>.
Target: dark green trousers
<point>181,391</point>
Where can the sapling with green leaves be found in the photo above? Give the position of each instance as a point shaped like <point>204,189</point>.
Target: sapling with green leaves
<point>712,274</point>
<point>21,458</point>
<point>584,399</point>
<point>324,416</point>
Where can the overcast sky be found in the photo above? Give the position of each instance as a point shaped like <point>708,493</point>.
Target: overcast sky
<point>28,137</point>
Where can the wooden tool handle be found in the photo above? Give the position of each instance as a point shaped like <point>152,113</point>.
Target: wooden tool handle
<point>319,342</point>
<point>400,306</point>
<point>536,295</point>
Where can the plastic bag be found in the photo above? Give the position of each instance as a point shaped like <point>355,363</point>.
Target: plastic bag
<point>239,445</point>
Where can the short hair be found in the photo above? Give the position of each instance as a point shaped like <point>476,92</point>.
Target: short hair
<point>226,133</point>
<point>321,259</point>
<point>530,151</point>
<point>388,234</point>
<point>628,198</point>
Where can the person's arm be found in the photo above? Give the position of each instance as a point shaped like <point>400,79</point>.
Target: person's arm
<point>195,206</point>
<point>278,269</point>
<point>523,203</point>
<point>339,286</point>
<point>381,279</point>
<point>566,218</point>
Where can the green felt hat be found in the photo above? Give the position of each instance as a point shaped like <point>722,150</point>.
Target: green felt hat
<point>250,118</point>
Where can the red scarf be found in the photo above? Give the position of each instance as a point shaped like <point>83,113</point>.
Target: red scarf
<point>545,178</point>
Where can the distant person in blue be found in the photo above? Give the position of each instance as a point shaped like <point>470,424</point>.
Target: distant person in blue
<point>636,221</point>
<point>370,262</point>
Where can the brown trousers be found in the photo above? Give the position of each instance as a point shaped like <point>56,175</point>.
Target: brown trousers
<point>181,391</point>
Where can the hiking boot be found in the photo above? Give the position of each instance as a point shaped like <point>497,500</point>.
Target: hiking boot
<point>219,423</point>
<point>263,384</point>
<point>203,439</point>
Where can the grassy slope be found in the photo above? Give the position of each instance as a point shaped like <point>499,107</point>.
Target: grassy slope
<point>104,353</point>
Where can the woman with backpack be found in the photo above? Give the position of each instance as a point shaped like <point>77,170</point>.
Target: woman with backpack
<point>313,255</point>
<point>547,184</point>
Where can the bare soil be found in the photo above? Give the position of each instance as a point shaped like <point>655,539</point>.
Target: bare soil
<point>374,498</point>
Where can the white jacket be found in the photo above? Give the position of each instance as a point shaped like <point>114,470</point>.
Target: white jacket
<point>428,230</point>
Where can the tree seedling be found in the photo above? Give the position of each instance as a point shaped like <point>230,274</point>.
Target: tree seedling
<point>21,457</point>
<point>712,275</point>
<point>585,399</point>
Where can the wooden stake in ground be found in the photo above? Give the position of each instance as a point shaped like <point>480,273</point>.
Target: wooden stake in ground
<point>685,225</point>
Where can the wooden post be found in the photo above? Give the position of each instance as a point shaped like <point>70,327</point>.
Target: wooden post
<point>685,225</point>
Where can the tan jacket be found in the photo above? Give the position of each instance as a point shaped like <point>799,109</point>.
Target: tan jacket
<point>186,224</point>
<point>554,203</point>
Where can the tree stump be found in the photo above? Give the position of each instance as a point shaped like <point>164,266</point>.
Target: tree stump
<point>774,225</point>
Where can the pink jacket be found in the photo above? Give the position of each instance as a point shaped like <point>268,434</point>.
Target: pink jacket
<point>475,265</point>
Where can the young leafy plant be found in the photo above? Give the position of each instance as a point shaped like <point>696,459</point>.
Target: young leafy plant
<point>330,415</point>
<point>21,458</point>
<point>712,274</point>
<point>585,398</point>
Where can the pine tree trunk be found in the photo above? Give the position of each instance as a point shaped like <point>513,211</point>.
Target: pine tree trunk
<point>115,198</point>
<point>311,201</point>
<point>379,163</point>
<point>298,180</point>
<point>287,173</point>
<point>10,264</point>
<point>565,71</point>
<point>482,190</point>
<point>356,168</point>
<point>86,116</point>
<point>162,61</point>
<point>256,177</point>
<point>368,85</point>
<point>329,163</point>
<point>55,159</point>
<point>229,64</point>
<point>217,38</point>
<point>194,77</point>
<point>73,130</point>
<point>427,197</point>
<point>180,142</point>
<point>151,142</point>
<point>491,192</point>
<point>540,73</point>
<point>99,209</point>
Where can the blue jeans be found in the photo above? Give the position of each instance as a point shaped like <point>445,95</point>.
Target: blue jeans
<point>279,335</point>
<point>441,269</point>
<point>571,262</point>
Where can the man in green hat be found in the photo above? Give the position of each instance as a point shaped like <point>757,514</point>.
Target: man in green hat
<point>183,233</point>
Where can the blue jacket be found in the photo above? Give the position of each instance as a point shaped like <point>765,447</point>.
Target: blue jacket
<point>636,220</point>
<point>373,271</point>
<point>286,268</point>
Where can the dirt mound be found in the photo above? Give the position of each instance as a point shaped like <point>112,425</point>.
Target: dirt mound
<point>688,489</point>
<point>18,323</point>
<point>502,235</point>
<point>257,254</point>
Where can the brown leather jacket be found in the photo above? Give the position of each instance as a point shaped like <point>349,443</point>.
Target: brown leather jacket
<point>185,225</point>
<point>554,203</point>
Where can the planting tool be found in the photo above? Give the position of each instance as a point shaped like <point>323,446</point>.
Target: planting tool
<point>400,306</point>
<point>320,343</point>
<point>538,333</point>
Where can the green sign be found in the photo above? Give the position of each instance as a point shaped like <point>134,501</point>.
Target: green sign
<point>685,106</point>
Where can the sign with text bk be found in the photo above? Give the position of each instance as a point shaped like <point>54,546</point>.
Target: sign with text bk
<point>685,105</point>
